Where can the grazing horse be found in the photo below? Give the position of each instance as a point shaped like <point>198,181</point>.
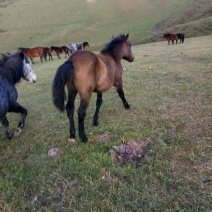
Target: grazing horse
<point>77,46</point>
<point>170,37</point>
<point>12,69</point>
<point>181,37</point>
<point>86,72</point>
<point>33,52</point>
<point>47,51</point>
<point>59,50</point>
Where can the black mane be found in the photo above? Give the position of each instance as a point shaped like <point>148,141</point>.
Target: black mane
<point>109,48</point>
<point>11,68</point>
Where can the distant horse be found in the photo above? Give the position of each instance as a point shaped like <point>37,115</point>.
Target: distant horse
<point>12,69</point>
<point>59,50</point>
<point>47,51</point>
<point>33,52</point>
<point>85,72</point>
<point>181,37</point>
<point>77,46</point>
<point>170,37</point>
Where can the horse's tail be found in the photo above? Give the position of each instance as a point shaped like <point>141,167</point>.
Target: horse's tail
<point>63,75</point>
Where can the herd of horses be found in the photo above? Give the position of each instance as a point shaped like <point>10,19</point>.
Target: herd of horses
<point>44,52</point>
<point>174,38</point>
<point>83,73</point>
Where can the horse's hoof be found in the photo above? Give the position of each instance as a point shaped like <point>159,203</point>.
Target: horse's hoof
<point>9,135</point>
<point>17,132</point>
<point>72,141</point>
<point>95,123</point>
<point>127,106</point>
<point>85,140</point>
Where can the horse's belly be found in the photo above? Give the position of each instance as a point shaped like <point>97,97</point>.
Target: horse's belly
<point>103,87</point>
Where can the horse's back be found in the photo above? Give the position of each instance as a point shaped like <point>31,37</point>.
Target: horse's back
<point>94,71</point>
<point>33,52</point>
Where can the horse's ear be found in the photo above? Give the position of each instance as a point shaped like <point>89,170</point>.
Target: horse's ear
<point>127,36</point>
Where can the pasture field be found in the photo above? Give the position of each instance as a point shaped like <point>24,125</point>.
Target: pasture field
<point>169,89</point>
<point>29,23</point>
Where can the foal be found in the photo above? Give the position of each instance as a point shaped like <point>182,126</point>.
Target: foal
<point>85,72</point>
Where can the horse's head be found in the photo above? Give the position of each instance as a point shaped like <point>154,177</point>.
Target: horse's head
<point>28,73</point>
<point>85,44</point>
<point>126,50</point>
<point>120,48</point>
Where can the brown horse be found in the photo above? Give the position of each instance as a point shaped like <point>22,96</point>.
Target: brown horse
<point>170,37</point>
<point>85,72</point>
<point>47,51</point>
<point>59,50</point>
<point>33,52</point>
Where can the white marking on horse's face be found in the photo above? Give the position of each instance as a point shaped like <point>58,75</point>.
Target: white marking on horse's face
<point>29,74</point>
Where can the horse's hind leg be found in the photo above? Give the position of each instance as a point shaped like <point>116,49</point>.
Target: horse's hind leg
<point>122,96</point>
<point>98,105</point>
<point>81,116</point>
<point>70,112</point>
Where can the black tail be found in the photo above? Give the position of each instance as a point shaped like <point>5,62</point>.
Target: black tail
<point>63,75</point>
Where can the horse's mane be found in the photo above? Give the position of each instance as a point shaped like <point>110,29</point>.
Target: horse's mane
<point>10,68</point>
<point>167,34</point>
<point>109,48</point>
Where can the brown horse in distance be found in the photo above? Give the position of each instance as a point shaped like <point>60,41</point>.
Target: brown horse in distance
<point>59,50</point>
<point>86,72</point>
<point>170,37</point>
<point>33,52</point>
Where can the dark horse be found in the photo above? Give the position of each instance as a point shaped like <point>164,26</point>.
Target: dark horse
<point>59,50</point>
<point>12,69</point>
<point>33,52</point>
<point>181,37</point>
<point>85,72</point>
<point>170,37</point>
<point>47,51</point>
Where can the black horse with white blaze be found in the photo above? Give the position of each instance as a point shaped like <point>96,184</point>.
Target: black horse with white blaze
<point>12,69</point>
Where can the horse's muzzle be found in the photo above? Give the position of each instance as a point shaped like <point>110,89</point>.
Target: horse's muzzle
<point>131,59</point>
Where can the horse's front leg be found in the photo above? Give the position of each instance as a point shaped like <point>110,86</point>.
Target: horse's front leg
<point>120,91</point>
<point>19,109</point>
<point>5,123</point>
<point>98,105</point>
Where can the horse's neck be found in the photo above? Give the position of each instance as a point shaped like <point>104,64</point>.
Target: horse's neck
<point>111,60</point>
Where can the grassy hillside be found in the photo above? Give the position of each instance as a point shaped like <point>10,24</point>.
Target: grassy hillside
<point>194,20</point>
<point>169,89</point>
<point>30,23</point>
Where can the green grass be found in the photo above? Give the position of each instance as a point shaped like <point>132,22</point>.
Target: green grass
<point>169,89</point>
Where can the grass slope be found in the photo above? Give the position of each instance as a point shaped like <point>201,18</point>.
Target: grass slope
<point>194,20</point>
<point>31,23</point>
<point>169,88</point>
